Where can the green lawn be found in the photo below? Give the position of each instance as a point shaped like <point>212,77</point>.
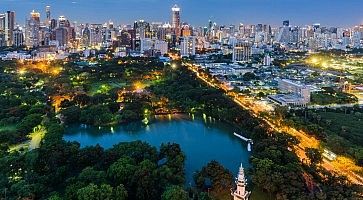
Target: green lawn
<point>105,86</point>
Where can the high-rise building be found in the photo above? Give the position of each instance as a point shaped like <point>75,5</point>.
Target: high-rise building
<point>187,46</point>
<point>61,36</point>
<point>7,25</point>
<point>186,30</point>
<point>32,38</point>
<point>286,23</point>
<point>176,19</point>
<point>241,52</point>
<point>2,30</point>
<point>142,29</point>
<point>161,46</point>
<point>53,24</point>
<point>63,22</point>
<point>86,36</point>
<point>18,37</point>
<point>48,16</point>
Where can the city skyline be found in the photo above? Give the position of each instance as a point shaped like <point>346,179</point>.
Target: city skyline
<point>197,13</point>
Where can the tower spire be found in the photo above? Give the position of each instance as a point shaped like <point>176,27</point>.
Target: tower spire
<point>240,193</point>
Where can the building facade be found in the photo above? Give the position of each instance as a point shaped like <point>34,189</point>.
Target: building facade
<point>240,193</point>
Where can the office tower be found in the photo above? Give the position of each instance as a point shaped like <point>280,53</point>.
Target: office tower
<point>259,28</point>
<point>241,52</point>
<point>161,46</point>
<point>86,36</point>
<point>32,30</point>
<point>286,23</point>
<point>9,27</point>
<point>2,30</point>
<point>61,36</point>
<point>18,37</point>
<point>63,22</point>
<point>53,24</point>
<point>186,30</point>
<point>284,35</point>
<point>48,16</point>
<point>146,44</point>
<point>176,19</point>
<point>187,46</point>
<point>142,29</point>
<point>95,35</point>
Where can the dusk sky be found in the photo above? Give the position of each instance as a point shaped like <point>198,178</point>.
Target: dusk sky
<point>342,13</point>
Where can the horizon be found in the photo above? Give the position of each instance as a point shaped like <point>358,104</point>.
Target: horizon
<point>194,13</point>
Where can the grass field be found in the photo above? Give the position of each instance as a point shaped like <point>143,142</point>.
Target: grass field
<point>105,87</point>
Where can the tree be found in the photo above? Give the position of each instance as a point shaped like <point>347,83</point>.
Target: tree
<point>215,177</point>
<point>175,192</point>
<point>71,114</point>
<point>94,192</point>
<point>314,156</point>
<point>89,175</point>
<point>122,170</point>
<point>120,193</point>
<point>249,76</point>
<point>29,122</point>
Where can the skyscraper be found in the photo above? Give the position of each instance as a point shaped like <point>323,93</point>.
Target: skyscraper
<point>48,16</point>
<point>286,23</point>
<point>18,39</point>
<point>241,52</point>
<point>7,25</point>
<point>176,19</point>
<point>32,30</point>
<point>187,46</point>
<point>2,30</point>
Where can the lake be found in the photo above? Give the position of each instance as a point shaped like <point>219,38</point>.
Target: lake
<point>201,139</point>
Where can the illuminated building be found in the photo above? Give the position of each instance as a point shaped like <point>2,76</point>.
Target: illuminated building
<point>241,52</point>
<point>2,30</point>
<point>18,37</point>
<point>48,16</point>
<point>186,30</point>
<point>142,29</point>
<point>176,19</point>
<point>86,37</point>
<point>187,46</point>
<point>61,36</point>
<point>7,25</point>
<point>95,35</point>
<point>267,60</point>
<point>161,46</point>
<point>294,94</point>
<point>32,30</point>
<point>53,24</point>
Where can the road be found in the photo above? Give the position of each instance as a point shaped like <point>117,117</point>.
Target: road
<point>255,109</point>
